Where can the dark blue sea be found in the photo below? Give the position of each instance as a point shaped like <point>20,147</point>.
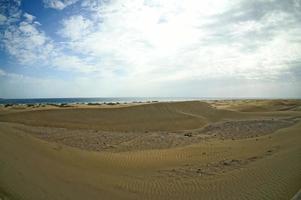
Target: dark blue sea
<point>92,100</point>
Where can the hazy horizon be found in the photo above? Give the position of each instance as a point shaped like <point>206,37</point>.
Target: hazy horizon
<point>150,48</point>
<point>157,97</point>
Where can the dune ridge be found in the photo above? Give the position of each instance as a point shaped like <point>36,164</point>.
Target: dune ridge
<point>152,117</point>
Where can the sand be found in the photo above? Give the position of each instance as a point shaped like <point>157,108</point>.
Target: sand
<point>180,150</point>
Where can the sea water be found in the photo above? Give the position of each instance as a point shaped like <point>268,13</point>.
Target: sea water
<point>94,100</point>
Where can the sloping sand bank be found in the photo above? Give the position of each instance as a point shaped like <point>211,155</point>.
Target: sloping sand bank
<point>149,117</point>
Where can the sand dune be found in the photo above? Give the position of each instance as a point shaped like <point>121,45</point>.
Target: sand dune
<point>266,166</point>
<point>259,105</point>
<point>159,116</point>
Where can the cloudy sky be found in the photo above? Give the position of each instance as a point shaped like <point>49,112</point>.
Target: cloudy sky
<point>118,48</point>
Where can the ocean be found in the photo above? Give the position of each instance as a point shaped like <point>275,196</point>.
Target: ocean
<point>93,100</point>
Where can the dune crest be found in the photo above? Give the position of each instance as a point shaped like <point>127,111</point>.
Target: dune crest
<point>148,117</point>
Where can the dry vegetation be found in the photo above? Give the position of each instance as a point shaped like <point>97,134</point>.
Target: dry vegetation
<point>242,149</point>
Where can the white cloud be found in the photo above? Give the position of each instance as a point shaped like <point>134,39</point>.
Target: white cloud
<point>10,12</point>
<point>2,19</point>
<point>76,27</point>
<point>2,72</point>
<point>169,40</point>
<point>242,28</point>
<point>29,17</point>
<point>58,4</point>
<point>22,38</point>
<point>297,3</point>
<point>27,43</point>
<point>30,46</point>
<point>72,63</point>
<point>142,44</point>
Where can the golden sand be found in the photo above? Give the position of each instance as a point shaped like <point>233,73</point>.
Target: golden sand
<point>180,150</point>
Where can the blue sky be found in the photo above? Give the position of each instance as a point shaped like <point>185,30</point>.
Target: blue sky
<point>115,48</point>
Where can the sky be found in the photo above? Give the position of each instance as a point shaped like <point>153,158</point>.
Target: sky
<point>150,48</point>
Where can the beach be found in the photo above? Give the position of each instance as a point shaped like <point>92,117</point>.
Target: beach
<point>209,149</point>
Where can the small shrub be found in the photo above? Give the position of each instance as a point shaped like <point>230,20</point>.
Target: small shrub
<point>188,134</point>
<point>93,104</point>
